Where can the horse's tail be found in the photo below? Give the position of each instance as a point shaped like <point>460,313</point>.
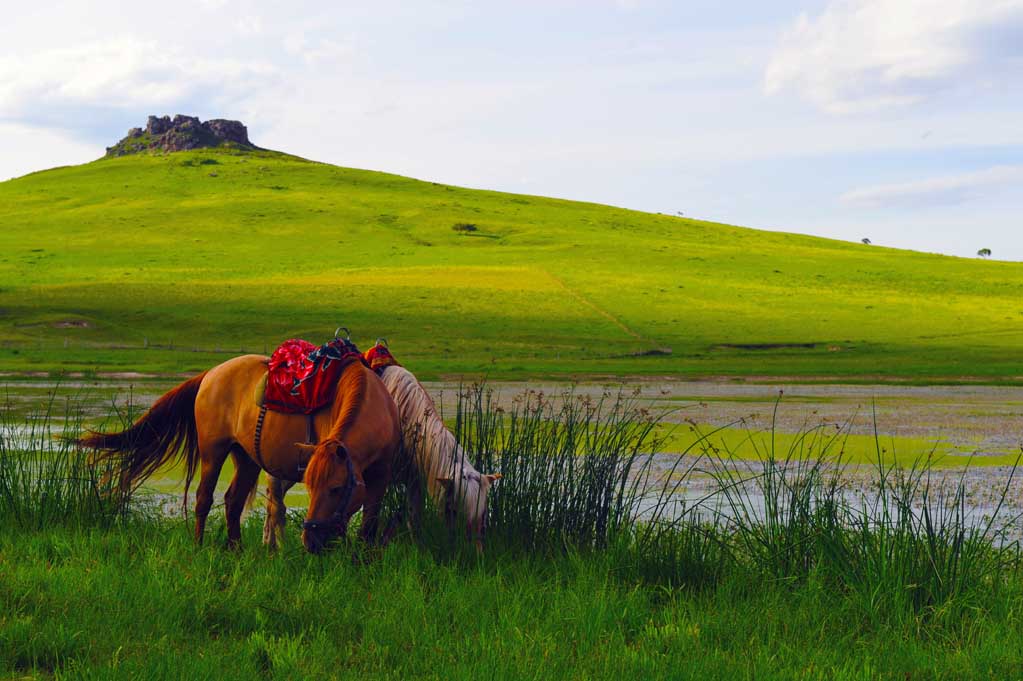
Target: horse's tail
<point>165,431</point>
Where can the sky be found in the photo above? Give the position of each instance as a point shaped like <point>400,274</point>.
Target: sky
<point>894,120</point>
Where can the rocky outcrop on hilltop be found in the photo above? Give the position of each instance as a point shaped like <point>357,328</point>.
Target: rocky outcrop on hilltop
<point>163,133</point>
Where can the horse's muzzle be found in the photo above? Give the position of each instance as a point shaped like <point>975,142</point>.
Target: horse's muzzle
<point>314,541</point>
<point>317,535</point>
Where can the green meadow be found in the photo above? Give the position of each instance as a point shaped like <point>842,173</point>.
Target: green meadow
<point>172,263</point>
<point>572,585</point>
<point>755,444</point>
<point>141,601</point>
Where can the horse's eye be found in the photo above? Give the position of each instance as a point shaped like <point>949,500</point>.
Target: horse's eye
<point>337,491</point>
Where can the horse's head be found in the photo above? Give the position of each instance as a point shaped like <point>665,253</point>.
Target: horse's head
<point>466,499</point>
<point>335,490</point>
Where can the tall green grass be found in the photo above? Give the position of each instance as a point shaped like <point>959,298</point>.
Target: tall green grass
<point>581,474</point>
<point>569,464</point>
<point>45,480</point>
<point>144,602</point>
<point>580,478</point>
<point>904,540</point>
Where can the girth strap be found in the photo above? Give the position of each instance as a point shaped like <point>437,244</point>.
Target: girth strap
<point>259,436</point>
<point>310,429</point>
<point>310,437</point>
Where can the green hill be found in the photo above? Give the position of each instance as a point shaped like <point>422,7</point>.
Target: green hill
<point>173,262</point>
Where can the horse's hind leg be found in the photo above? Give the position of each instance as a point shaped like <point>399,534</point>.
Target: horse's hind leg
<point>276,511</point>
<point>212,456</point>
<point>246,474</point>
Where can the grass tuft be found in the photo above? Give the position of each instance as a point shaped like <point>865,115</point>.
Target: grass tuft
<point>45,480</point>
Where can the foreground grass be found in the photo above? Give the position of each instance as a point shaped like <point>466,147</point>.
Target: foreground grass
<point>791,578</point>
<point>141,601</point>
<point>175,263</point>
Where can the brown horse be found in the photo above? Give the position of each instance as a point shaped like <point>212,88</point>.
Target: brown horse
<point>214,415</point>
<point>455,486</point>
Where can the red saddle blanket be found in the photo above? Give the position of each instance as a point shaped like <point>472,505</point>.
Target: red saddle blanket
<point>379,357</point>
<point>303,378</point>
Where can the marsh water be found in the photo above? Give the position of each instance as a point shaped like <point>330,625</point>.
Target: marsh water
<point>992,498</point>
<point>983,422</point>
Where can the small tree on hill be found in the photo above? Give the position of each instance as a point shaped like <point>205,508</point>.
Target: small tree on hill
<point>865,240</point>
<point>984,253</point>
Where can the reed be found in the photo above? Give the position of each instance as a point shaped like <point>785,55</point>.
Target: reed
<point>45,480</point>
<point>579,474</point>
<point>572,466</point>
<point>898,540</point>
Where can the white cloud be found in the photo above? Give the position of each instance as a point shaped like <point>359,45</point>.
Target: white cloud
<point>937,190</point>
<point>866,55</point>
<point>321,50</point>
<point>249,25</point>
<point>81,87</point>
<point>25,146</point>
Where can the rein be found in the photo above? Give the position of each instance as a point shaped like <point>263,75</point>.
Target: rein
<point>337,520</point>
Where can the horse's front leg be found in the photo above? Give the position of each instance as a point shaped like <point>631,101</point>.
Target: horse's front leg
<point>276,511</point>
<point>411,511</point>
<point>377,479</point>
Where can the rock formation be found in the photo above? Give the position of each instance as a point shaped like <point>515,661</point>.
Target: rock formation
<point>182,133</point>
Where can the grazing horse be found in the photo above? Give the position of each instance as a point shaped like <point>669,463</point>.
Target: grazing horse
<point>452,482</point>
<point>214,415</point>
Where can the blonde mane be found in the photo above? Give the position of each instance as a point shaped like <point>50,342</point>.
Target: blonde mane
<point>438,454</point>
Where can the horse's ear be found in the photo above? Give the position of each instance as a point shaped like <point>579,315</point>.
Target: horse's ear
<point>305,448</point>
<point>492,477</point>
<point>341,452</point>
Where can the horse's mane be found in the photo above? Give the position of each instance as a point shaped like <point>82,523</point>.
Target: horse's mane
<point>438,453</point>
<point>350,392</point>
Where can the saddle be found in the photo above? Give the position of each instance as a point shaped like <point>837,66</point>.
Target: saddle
<point>302,378</point>
<point>379,357</point>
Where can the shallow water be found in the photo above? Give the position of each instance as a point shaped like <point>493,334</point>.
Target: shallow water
<point>977,419</point>
<point>993,495</point>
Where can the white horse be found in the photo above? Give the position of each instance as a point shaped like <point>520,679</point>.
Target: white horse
<point>456,488</point>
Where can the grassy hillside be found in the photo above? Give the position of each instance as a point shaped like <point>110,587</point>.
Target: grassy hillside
<point>174,262</point>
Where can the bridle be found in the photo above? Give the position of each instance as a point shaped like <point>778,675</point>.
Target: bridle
<point>336,521</point>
